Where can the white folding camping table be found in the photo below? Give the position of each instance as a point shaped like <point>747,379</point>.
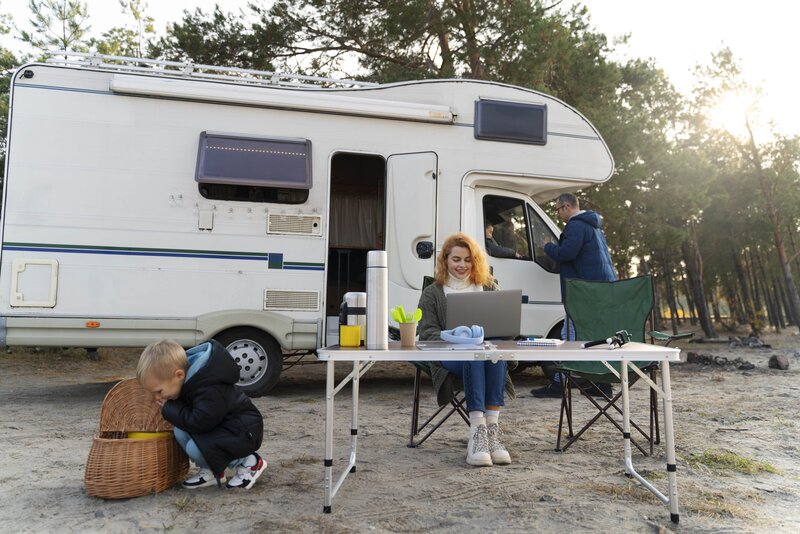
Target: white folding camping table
<point>363,359</point>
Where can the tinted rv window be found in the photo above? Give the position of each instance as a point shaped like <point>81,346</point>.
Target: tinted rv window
<point>252,168</point>
<point>512,122</point>
<point>542,234</point>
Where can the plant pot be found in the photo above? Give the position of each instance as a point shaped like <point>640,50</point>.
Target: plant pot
<point>408,334</point>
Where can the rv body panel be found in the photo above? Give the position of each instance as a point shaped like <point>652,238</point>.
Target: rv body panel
<point>101,182</point>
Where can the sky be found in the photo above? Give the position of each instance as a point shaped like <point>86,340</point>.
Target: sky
<point>677,34</point>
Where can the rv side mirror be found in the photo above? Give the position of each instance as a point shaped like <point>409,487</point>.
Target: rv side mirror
<point>424,249</point>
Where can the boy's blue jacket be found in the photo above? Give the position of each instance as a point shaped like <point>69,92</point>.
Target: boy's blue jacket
<point>221,419</point>
<point>582,251</point>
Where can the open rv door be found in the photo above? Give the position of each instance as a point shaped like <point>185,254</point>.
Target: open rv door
<point>410,224</point>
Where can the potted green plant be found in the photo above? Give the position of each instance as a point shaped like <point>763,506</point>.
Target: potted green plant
<point>408,325</point>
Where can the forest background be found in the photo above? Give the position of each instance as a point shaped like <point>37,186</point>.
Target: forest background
<point>710,207</point>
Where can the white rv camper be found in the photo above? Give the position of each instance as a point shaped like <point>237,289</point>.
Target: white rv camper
<point>148,199</point>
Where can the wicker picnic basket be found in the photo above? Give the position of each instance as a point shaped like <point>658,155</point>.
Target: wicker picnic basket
<point>118,467</point>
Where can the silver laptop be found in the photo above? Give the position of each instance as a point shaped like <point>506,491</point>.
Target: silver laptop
<point>498,312</point>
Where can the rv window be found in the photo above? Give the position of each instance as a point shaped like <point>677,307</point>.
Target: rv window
<point>512,122</point>
<point>243,193</point>
<point>253,162</point>
<point>505,228</point>
<point>542,234</point>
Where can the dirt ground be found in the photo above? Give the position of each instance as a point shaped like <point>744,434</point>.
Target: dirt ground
<point>736,440</point>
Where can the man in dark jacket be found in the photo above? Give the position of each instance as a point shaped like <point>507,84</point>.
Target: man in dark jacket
<point>215,423</point>
<point>582,252</point>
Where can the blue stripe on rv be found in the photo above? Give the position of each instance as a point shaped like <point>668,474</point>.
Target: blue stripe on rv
<point>264,257</point>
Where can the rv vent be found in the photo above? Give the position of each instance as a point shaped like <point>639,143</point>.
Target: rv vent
<point>282,299</point>
<point>294,224</point>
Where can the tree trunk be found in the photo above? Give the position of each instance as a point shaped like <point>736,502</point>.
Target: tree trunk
<point>750,269</point>
<point>715,305</point>
<point>694,268</point>
<point>772,310</point>
<point>673,308</point>
<point>734,304</point>
<point>785,301</point>
<point>689,301</point>
<point>747,301</point>
<point>657,319</point>
<point>779,303</point>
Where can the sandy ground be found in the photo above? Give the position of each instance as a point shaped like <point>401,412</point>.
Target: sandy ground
<point>50,402</point>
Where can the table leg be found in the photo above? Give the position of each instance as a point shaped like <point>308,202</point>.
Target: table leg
<point>626,417</point>
<point>328,460</point>
<point>669,435</point>
<point>354,420</point>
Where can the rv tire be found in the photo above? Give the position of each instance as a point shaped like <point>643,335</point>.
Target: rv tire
<point>258,356</point>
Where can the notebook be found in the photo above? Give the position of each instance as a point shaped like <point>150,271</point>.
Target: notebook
<point>498,312</point>
<point>541,342</point>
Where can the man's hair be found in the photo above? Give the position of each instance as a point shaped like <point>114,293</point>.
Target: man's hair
<point>480,274</point>
<point>161,359</point>
<point>568,198</point>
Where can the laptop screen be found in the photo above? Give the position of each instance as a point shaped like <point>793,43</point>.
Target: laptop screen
<point>498,312</point>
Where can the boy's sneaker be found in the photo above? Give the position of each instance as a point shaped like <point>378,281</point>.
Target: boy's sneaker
<point>203,478</point>
<point>245,477</point>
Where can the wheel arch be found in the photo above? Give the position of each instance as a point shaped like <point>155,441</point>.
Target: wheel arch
<point>277,325</point>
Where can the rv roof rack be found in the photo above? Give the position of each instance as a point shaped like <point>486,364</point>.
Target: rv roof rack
<point>193,70</point>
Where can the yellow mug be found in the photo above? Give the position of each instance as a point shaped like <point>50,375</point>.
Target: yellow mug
<point>349,335</point>
<point>147,435</point>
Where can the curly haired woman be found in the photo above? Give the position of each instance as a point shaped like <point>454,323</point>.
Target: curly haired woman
<point>462,266</point>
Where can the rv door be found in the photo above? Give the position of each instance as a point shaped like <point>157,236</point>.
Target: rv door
<point>411,222</point>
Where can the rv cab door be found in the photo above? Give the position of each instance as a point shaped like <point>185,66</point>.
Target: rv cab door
<point>513,230</point>
<point>410,224</point>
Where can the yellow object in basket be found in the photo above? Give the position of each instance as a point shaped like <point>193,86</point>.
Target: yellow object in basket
<point>349,335</point>
<point>147,435</point>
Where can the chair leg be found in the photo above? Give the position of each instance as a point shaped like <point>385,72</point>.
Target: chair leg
<point>415,410</point>
<point>654,397</point>
<point>603,411</point>
<point>561,418</point>
<point>456,406</point>
<point>566,386</point>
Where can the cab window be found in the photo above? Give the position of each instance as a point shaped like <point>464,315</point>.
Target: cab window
<point>505,228</point>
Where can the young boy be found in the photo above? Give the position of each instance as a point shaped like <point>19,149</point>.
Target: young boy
<point>215,423</point>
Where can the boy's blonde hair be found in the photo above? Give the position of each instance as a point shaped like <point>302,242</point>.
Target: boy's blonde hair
<point>161,359</point>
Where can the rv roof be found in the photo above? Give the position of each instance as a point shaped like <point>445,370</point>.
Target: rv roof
<point>193,70</point>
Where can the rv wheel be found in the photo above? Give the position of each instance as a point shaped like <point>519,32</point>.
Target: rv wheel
<point>258,356</point>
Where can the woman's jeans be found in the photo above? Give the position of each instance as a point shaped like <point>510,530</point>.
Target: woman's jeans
<point>190,447</point>
<point>484,382</point>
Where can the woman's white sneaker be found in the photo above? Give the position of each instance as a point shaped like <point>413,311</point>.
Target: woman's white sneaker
<point>478,447</point>
<point>497,450</point>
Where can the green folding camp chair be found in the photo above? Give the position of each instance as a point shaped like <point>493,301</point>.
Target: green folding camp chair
<point>598,310</point>
<point>448,406</point>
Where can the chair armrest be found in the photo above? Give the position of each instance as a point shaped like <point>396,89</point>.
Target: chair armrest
<point>669,338</point>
